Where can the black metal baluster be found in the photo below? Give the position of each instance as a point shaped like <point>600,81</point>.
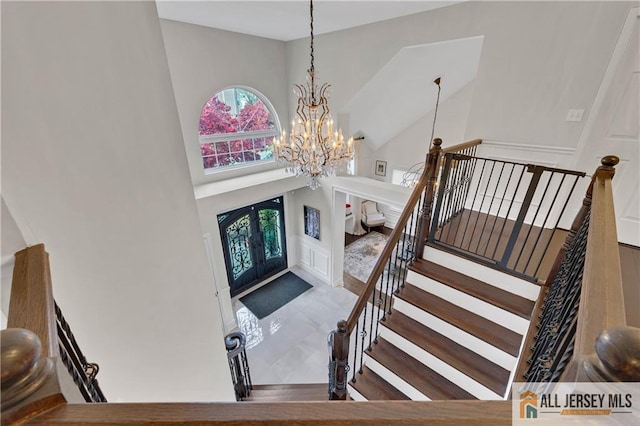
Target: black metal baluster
<point>554,340</point>
<point>363,334</point>
<point>533,221</point>
<point>513,199</point>
<point>443,183</point>
<point>355,352</point>
<point>533,184</point>
<point>464,233</point>
<point>493,197</point>
<point>560,215</point>
<point>373,317</point>
<point>543,227</point>
<point>504,195</point>
<point>484,195</point>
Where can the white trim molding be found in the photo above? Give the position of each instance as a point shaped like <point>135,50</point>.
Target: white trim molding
<point>313,258</point>
<point>550,156</point>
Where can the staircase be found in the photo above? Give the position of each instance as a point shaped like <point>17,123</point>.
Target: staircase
<point>455,332</point>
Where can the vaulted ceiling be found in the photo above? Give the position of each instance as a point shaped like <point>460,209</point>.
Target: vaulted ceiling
<point>289,20</point>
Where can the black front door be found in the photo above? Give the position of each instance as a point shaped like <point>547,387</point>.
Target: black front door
<point>254,243</point>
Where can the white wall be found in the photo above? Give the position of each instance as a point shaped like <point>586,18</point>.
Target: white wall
<point>203,61</point>
<point>11,241</point>
<point>538,60</point>
<point>411,146</point>
<point>94,166</point>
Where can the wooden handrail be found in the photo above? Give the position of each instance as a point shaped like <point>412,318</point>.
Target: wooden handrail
<point>462,146</point>
<point>386,252</point>
<point>443,413</point>
<point>427,175</point>
<point>601,299</point>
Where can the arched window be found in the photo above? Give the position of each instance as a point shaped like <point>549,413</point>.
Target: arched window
<point>237,126</point>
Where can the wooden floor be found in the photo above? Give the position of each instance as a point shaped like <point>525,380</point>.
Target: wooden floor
<point>630,268</point>
<point>486,237</point>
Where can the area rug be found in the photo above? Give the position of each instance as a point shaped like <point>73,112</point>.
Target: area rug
<point>360,256</point>
<point>271,297</point>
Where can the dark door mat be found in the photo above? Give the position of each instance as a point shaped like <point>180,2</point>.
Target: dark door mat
<point>271,297</point>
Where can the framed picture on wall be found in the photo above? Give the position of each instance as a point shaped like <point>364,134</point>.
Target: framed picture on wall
<point>381,168</point>
<point>312,222</point>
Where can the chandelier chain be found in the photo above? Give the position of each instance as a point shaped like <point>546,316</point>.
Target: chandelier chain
<point>312,69</point>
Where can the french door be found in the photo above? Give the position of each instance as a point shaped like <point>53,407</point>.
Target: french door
<point>254,243</point>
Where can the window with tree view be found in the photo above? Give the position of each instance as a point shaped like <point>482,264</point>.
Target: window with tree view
<point>237,126</point>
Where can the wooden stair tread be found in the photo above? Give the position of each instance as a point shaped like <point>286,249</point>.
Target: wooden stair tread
<point>288,386</point>
<point>289,392</point>
<point>424,379</point>
<point>466,361</point>
<point>478,326</point>
<point>375,388</point>
<point>513,303</point>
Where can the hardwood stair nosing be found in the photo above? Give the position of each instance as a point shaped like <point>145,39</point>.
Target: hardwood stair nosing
<point>474,324</point>
<point>286,386</point>
<point>459,357</point>
<point>466,301</point>
<point>497,278</point>
<point>293,392</point>
<point>452,374</point>
<point>393,378</point>
<point>354,394</point>
<point>479,289</point>
<point>373,387</point>
<point>418,376</point>
<point>456,334</point>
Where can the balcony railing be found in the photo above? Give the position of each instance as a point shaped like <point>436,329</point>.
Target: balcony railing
<point>500,213</point>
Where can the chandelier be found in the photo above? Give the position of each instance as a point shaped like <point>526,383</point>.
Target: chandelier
<point>314,147</point>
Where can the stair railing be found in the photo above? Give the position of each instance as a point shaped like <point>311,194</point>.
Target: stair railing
<point>498,212</point>
<point>583,302</point>
<point>235,344</point>
<point>82,372</point>
<point>406,243</point>
<point>41,336</point>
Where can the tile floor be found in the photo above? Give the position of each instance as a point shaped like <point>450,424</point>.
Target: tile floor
<point>290,345</point>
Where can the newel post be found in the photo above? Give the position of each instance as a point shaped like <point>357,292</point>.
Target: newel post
<point>338,362</point>
<point>617,356</point>
<point>432,166</point>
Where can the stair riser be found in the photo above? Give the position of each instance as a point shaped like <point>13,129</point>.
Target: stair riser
<point>470,303</point>
<point>480,272</point>
<point>459,336</point>
<point>439,366</point>
<point>394,380</point>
